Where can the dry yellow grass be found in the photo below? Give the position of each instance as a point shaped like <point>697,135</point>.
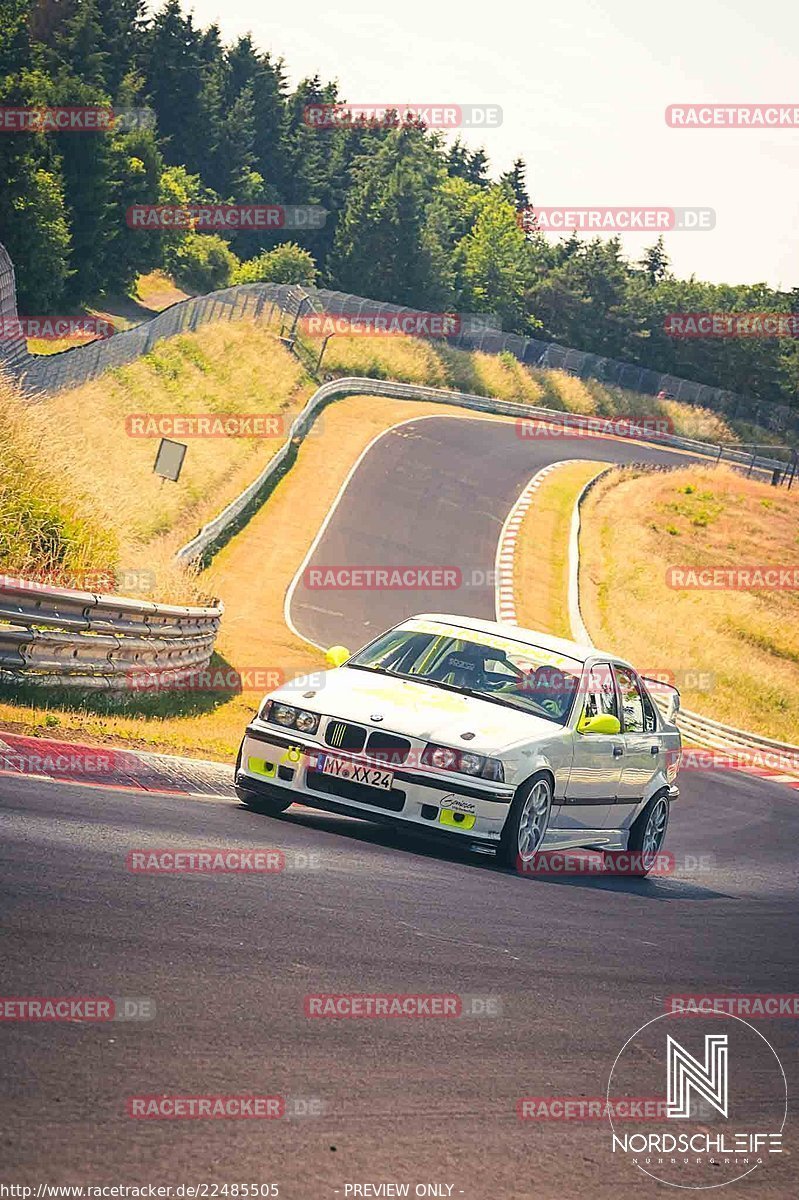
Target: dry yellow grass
<point>499,375</point>
<point>224,368</point>
<point>239,367</point>
<point>46,520</point>
<point>157,291</point>
<point>735,654</point>
<point>77,492</point>
<point>576,395</point>
<point>541,566</point>
<point>251,575</point>
<point>410,360</point>
<point>435,364</point>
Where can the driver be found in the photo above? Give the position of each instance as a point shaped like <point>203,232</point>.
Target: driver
<point>552,690</point>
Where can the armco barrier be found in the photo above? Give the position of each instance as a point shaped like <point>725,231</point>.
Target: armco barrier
<point>57,637</point>
<point>697,728</point>
<point>361,385</point>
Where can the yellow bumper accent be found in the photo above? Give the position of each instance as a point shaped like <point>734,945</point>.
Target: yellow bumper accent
<point>259,766</point>
<point>458,819</point>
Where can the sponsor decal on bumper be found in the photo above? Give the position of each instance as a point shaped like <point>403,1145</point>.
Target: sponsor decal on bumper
<point>446,810</point>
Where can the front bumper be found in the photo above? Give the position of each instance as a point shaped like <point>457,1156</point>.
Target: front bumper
<point>276,765</point>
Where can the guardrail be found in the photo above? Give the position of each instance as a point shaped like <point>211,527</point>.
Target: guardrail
<point>700,729</point>
<point>363,385</point>
<point>57,637</point>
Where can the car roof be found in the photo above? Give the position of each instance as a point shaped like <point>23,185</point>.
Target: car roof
<point>576,650</point>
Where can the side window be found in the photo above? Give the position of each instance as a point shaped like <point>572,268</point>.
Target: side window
<point>650,720</point>
<point>638,715</point>
<point>600,697</point>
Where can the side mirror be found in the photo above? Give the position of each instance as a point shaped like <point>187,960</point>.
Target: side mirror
<point>337,655</point>
<point>605,723</point>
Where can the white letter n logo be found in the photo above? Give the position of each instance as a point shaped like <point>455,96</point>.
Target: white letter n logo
<point>685,1072</point>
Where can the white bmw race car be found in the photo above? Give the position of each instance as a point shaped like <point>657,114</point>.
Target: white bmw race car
<point>489,734</point>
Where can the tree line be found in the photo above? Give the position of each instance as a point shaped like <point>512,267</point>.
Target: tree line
<point>413,217</point>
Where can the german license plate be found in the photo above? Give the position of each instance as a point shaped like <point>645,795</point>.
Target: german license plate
<point>343,769</point>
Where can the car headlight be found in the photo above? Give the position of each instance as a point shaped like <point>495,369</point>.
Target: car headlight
<point>444,758</point>
<point>441,757</point>
<point>289,717</point>
<point>472,764</point>
<point>283,714</point>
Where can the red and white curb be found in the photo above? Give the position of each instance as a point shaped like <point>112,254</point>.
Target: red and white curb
<point>506,547</point>
<point>110,767</point>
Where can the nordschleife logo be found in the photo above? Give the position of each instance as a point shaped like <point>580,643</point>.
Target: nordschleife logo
<point>723,1091</point>
<point>708,1080</point>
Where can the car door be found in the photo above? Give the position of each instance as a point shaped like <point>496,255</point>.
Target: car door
<point>595,773</point>
<point>643,745</point>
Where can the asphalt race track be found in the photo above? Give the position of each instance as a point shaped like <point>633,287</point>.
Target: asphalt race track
<point>576,964</point>
<point>434,492</point>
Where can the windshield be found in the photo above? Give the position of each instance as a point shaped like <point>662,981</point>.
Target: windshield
<point>521,676</point>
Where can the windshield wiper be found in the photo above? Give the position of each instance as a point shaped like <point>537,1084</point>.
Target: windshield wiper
<point>449,687</point>
<point>351,666</point>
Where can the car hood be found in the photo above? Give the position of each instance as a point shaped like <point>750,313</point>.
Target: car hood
<point>416,710</point>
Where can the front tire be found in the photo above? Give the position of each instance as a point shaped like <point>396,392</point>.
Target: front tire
<point>256,801</point>
<point>269,806</point>
<point>527,822</point>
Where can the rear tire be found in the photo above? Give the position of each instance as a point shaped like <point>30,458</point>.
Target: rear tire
<point>527,821</point>
<point>647,835</point>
